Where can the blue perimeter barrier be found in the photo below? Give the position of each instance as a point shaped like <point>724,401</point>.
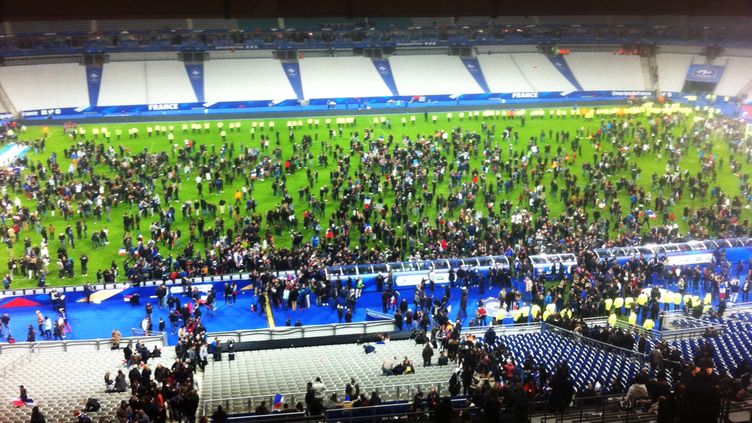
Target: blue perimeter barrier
<point>393,104</point>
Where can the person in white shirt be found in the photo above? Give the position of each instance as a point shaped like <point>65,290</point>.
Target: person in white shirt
<point>318,389</point>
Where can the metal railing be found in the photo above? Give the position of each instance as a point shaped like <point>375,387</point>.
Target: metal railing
<point>19,361</point>
<point>621,324</point>
<point>299,332</point>
<point>247,404</point>
<point>603,409</point>
<point>738,308</point>
<point>698,329</point>
<point>515,329</point>
<point>579,338</point>
<point>79,345</point>
<point>665,333</point>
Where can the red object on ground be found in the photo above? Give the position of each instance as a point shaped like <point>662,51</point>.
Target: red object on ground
<point>20,302</point>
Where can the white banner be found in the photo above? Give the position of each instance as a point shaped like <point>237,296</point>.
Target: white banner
<point>689,259</point>
<point>203,288</point>
<point>414,280</point>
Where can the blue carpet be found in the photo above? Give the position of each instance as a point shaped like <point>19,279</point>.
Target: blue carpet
<point>89,321</point>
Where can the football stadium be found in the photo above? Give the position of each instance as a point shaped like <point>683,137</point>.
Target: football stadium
<point>352,213</point>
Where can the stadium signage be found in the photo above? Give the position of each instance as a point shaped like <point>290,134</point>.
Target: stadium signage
<point>631,93</point>
<point>418,44</point>
<point>705,73</point>
<point>525,95</point>
<point>42,112</point>
<point>165,106</point>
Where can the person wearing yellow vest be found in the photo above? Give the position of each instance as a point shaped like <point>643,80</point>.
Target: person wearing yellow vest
<point>618,304</point>
<point>546,315</point>
<point>677,300</point>
<point>708,299</point>
<point>612,319</point>
<point>535,311</point>
<point>642,301</point>
<point>608,304</point>
<point>666,299</point>
<point>696,300</point>
<point>629,302</point>
<point>632,318</point>
<point>649,324</point>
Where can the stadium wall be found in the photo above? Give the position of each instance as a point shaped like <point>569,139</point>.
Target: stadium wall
<point>138,85</point>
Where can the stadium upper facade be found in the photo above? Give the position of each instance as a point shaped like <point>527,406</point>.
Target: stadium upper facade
<point>105,68</point>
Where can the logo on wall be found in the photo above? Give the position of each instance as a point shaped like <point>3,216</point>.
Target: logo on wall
<point>383,69</point>
<point>705,73</point>
<point>195,74</point>
<point>291,72</point>
<point>93,77</point>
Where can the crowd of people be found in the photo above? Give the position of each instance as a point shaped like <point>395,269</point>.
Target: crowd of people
<point>477,217</point>
<point>378,195</point>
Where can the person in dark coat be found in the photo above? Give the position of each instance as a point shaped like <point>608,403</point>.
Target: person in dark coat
<point>491,408</point>
<point>562,388</point>
<point>128,353</point>
<point>444,411</point>
<point>219,416</point>
<point>703,398</point>
<point>145,376</point>
<point>190,405</point>
<point>427,354</point>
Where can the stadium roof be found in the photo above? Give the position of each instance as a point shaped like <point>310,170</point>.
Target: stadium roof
<point>150,9</point>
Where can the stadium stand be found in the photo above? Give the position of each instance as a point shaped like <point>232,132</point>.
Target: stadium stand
<point>588,363</point>
<point>146,82</point>
<point>607,71</point>
<point>383,22</point>
<point>672,70</point>
<point>341,77</point>
<point>540,73</point>
<point>257,24</point>
<point>140,24</point>
<point>207,23</point>
<point>433,21</point>
<point>304,23</point>
<point>32,87</point>
<point>431,74</point>
<point>37,27</point>
<point>60,381</point>
<point>503,74</point>
<point>123,83</point>
<point>264,373</point>
<point>736,75</point>
<point>261,373</point>
<point>246,79</point>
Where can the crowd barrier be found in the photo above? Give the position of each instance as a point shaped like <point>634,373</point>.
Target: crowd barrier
<point>299,332</point>
<point>81,345</point>
<point>386,104</point>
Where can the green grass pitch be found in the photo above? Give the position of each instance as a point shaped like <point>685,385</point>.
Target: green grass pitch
<point>100,258</point>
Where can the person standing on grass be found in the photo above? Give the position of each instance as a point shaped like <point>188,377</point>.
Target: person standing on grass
<point>84,259</point>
